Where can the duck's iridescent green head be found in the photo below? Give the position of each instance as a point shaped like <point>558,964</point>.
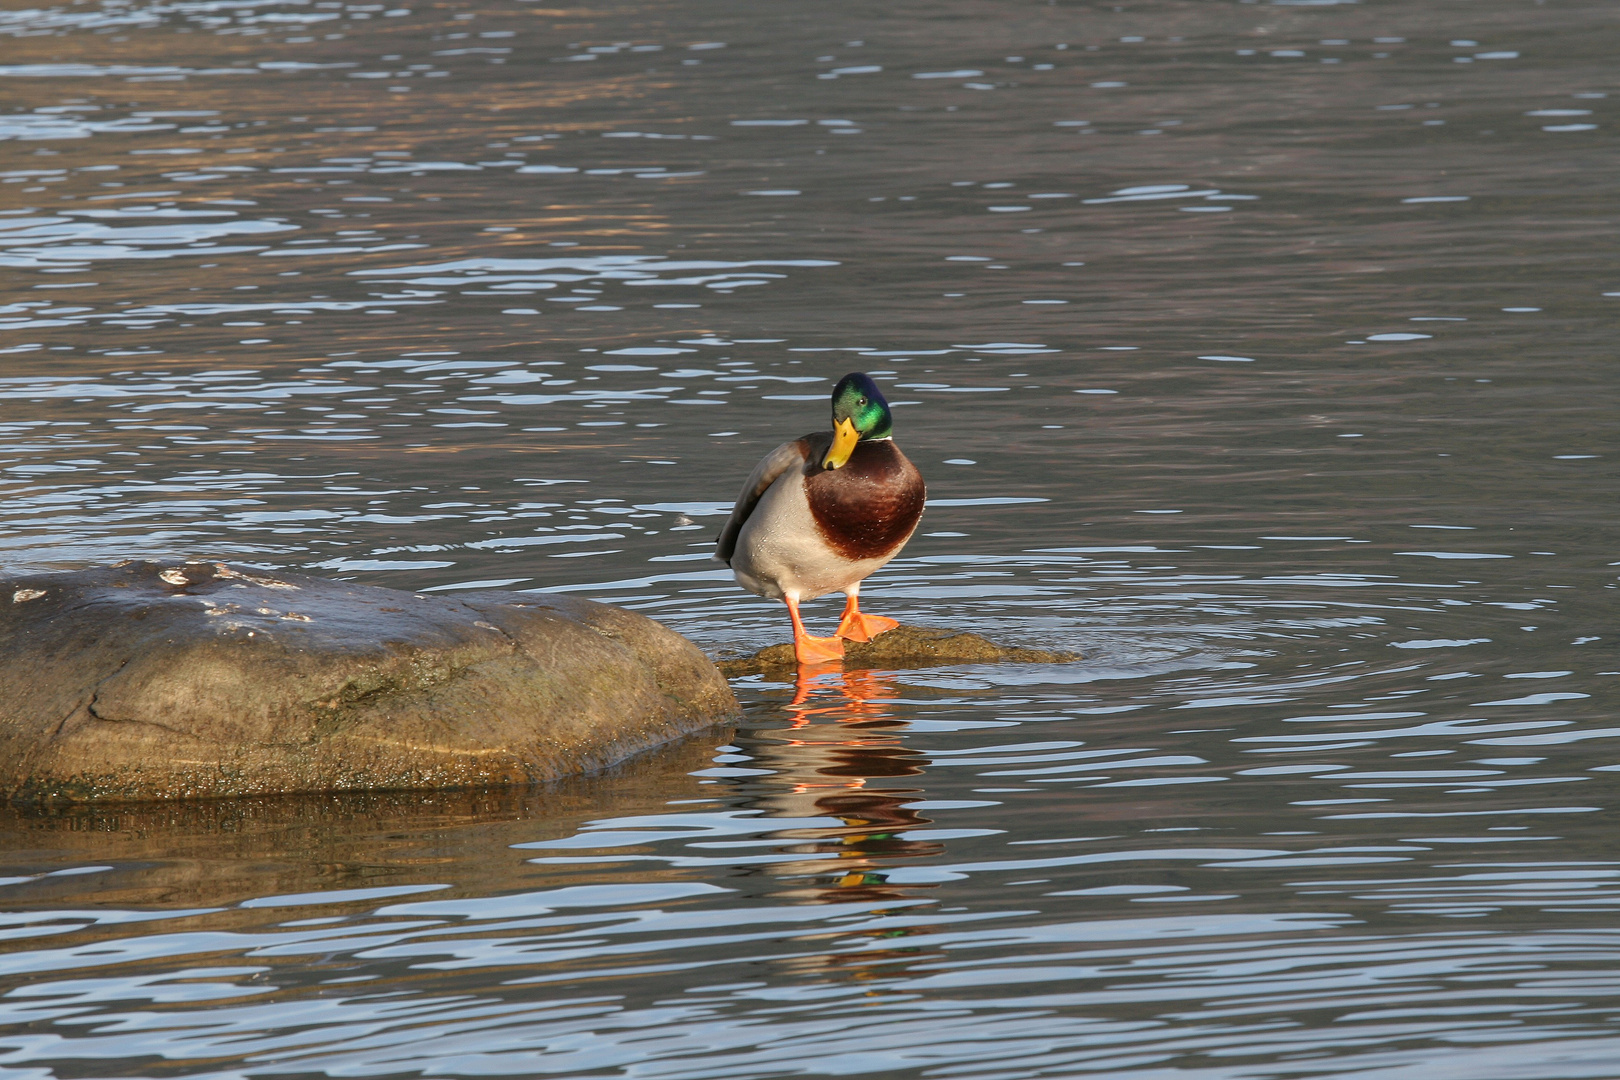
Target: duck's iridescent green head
<point>858,412</point>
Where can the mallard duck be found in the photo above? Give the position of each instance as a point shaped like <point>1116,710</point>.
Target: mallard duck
<point>821,513</point>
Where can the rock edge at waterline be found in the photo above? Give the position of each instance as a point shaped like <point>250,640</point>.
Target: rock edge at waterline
<point>155,681</point>
<point>902,648</point>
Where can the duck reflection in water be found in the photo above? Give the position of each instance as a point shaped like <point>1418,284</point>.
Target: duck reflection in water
<point>838,747</point>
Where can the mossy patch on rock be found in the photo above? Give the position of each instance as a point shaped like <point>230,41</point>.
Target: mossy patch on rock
<point>902,648</point>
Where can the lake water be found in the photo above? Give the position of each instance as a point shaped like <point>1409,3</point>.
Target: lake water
<point>1262,352</point>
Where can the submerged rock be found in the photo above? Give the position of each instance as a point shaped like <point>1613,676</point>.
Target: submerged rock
<point>901,648</point>
<point>152,681</point>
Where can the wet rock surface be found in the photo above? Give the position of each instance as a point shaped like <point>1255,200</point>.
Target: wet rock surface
<point>155,681</point>
<point>902,648</point>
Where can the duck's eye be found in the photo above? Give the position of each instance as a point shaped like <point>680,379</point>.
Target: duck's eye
<point>861,402</point>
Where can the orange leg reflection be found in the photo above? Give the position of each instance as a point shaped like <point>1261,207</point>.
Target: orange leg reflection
<point>850,695</point>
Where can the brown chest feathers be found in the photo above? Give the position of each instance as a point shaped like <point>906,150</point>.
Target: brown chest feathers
<point>868,508</point>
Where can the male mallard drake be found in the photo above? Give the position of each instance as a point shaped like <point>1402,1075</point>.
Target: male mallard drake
<point>821,513</point>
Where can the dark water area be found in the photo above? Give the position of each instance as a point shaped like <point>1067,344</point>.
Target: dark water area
<point>1262,352</point>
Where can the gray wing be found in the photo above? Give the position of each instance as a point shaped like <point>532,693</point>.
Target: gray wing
<point>790,455</point>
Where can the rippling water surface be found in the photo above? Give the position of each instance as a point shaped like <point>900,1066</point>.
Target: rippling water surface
<point>1263,352</point>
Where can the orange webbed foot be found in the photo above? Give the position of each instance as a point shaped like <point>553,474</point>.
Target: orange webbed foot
<point>858,626</point>
<point>817,650</point>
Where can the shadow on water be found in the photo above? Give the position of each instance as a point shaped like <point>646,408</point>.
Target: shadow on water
<point>222,852</point>
<point>833,752</point>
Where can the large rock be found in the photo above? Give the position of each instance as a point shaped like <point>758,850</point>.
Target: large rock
<point>151,681</point>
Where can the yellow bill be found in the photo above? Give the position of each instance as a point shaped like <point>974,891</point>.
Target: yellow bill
<point>844,439</point>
